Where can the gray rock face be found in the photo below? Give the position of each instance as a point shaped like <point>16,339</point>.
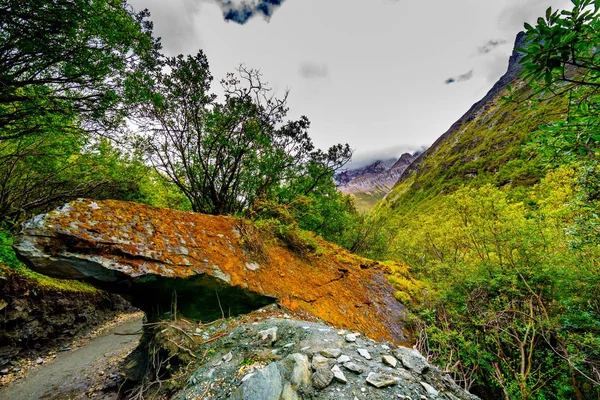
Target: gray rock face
<point>322,378</point>
<point>377,178</point>
<point>285,372</point>
<point>266,384</point>
<point>381,380</point>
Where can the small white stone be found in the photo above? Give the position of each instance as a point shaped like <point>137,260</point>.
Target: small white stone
<point>351,337</point>
<point>338,375</point>
<point>343,359</point>
<point>390,360</point>
<point>364,353</point>
<point>430,389</point>
<point>342,332</point>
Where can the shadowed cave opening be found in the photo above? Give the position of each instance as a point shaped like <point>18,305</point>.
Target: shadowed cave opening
<point>200,298</point>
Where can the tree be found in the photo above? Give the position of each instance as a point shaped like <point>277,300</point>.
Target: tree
<point>67,69</point>
<point>64,57</point>
<point>561,59</point>
<point>224,156</point>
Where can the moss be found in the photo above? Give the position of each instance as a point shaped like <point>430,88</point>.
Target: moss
<point>408,289</point>
<point>365,202</point>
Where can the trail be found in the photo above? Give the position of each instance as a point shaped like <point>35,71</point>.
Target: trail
<point>75,374</point>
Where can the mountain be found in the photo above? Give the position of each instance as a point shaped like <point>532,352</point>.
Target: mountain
<point>498,233</point>
<point>371,183</point>
<point>485,145</point>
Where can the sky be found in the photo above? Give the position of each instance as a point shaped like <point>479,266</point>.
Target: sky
<point>385,76</point>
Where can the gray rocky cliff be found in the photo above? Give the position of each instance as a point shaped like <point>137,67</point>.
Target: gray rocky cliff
<point>376,179</point>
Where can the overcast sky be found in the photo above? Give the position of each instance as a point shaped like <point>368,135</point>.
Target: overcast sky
<point>385,76</point>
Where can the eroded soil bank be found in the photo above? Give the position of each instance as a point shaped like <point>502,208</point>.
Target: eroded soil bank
<point>35,317</point>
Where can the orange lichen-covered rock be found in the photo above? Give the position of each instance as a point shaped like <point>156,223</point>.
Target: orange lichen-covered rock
<point>198,266</point>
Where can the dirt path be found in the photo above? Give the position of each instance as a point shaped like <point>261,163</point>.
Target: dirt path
<point>79,373</point>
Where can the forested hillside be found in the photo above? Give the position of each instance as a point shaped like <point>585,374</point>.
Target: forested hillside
<point>499,218</point>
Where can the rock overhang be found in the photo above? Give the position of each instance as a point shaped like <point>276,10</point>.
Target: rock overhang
<point>160,258</point>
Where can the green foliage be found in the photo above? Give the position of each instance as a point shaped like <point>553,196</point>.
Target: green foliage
<point>513,308</point>
<point>41,171</point>
<point>66,68</point>
<point>226,156</point>
<point>63,58</point>
<point>561,61</point>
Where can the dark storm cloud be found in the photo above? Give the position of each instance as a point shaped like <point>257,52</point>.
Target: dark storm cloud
<point>310,70</point>
<point>490,45</point>
<point>460,78</point>
<point>242,12</point>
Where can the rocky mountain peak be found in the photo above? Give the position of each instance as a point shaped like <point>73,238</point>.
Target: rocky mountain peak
<point>512,73</point>
<point>374,181</point>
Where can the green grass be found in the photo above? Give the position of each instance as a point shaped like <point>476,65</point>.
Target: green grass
<point>10,264</point>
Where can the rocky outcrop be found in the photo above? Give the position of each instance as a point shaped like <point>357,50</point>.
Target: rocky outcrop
<point>376,179</point>
<point>206,267</point>
<point>309,360</point>
<point>379,166</point>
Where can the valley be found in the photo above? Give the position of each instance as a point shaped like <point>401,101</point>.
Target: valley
<point>171,231</point>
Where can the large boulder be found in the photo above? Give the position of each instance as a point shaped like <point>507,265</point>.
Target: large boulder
<point>207,267</point>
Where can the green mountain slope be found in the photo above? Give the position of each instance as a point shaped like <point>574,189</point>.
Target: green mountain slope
<point>511,299</point>
<point>486,145</point>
